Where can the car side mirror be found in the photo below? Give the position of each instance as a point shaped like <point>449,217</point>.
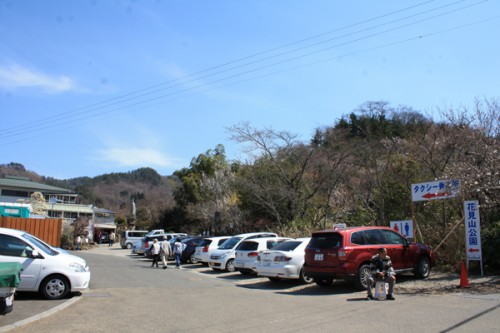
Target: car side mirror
<point>406,243</point>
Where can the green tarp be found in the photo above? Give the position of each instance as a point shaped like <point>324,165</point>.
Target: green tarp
<point>10,274</point>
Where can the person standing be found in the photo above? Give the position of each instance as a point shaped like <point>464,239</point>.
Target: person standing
<point>78,243</point>
<point>112,238</point>
<point>165,252</point>
<point>382,270</point>
<point>155,252</point>
<point>178,248</point>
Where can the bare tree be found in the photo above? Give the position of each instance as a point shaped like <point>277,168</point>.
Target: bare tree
<point>288,180</point>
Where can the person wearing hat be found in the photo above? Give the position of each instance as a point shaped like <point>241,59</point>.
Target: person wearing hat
<point>155,252</point>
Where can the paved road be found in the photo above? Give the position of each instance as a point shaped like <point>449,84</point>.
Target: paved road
<point>128,296</point>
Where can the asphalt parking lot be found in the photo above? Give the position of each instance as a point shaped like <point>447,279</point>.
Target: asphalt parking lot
<point>30,308</point>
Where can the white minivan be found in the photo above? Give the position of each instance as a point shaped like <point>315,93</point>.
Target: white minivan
<point>129,237</point>
<point>52,273</point>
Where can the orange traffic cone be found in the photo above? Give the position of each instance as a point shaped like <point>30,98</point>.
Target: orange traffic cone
<point>464,280</point>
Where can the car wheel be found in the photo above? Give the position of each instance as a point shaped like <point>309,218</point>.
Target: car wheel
<point>323,282</point>
<point>274,279</point>
<point>54,287</point>
<point>193,260</point>
<point>128,246</point>
<point>230,265</point>
<point>423,268</point>
<point>304,278</point>
<point>364,273</point>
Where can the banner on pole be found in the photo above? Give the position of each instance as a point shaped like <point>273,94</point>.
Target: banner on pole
<point>472,230</point>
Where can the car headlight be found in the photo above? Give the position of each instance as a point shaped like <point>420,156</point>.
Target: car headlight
<point>223,255</point>
<point>77,267</point>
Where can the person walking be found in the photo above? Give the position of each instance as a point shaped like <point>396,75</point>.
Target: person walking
<point>155,252</point>
<point>178,248</point>
<point>165,252</point>
<point>112,237</point>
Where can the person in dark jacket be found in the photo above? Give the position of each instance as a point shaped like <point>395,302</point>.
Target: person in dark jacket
<point>382,270</point>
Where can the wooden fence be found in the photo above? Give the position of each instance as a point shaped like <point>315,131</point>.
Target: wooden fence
<point>48,230</point>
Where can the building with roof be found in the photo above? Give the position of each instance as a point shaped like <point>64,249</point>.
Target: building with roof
<point>59,202</point>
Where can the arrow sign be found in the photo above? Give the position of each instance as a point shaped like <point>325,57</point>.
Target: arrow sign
<point>436,195</point>
<point>473,250</point>
<point>439,189</point>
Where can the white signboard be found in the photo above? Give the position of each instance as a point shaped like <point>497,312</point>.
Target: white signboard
<point>439,189</point>
<point>405,228</point>
<point>472,231</point>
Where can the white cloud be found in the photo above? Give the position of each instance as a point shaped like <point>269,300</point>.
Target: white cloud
<point>16,76</point>
<point>135,157</point>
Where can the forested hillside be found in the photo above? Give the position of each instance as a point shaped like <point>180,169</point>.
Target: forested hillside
<point>358,171</point>
<point>151,192</point>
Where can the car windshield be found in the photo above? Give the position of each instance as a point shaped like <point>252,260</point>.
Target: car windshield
<point>40,244</point>
<point>287,246</point>
<point>325,241</point>
<point>230,243</point>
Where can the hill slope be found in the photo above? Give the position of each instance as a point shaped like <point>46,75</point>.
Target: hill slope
<point>151,191</point>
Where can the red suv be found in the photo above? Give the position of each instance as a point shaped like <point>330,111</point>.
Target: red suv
<point>346,253</point>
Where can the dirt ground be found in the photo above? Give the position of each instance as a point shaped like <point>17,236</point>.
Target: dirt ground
<point>441,283</point>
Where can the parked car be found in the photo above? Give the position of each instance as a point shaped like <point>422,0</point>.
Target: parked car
<point>223,257</point>
<point>346,253</point>
<point>284,261</point>
<point>188,253</point>
<point>207,245</point>
<point>142,247</point>
<point>245,258</point>
<point>129,237</point>
<point>52,273</point>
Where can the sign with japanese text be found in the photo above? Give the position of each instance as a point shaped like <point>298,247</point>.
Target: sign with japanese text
<point>439,189</point>
<point>405,228</point>
<point>472,231</point>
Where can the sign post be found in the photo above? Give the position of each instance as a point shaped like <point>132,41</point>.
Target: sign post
<point>439,189</point>
<point>473,249</point>
<point>435,190</point>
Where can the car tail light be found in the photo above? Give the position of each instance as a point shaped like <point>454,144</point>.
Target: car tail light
<point>253,254</point>
<point>146,244</point>
<point>205,248</point>
<point>282,259</point>
<point>343,253</point>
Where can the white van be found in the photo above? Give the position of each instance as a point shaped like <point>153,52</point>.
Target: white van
<point>45,270</point>
<point>129,237</point>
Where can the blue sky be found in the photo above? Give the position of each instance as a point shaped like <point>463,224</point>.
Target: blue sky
<point>92,86</point>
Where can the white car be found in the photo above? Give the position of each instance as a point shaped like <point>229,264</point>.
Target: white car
<point>245,259</point>
<point>207,246</point>
<point>223,257</point>
<point>46,270</point>
<point>284,261</point>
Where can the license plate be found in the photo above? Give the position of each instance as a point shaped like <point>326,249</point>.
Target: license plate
<point>267,263</point>
<point>212,263</point>
<point>318,257</point>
